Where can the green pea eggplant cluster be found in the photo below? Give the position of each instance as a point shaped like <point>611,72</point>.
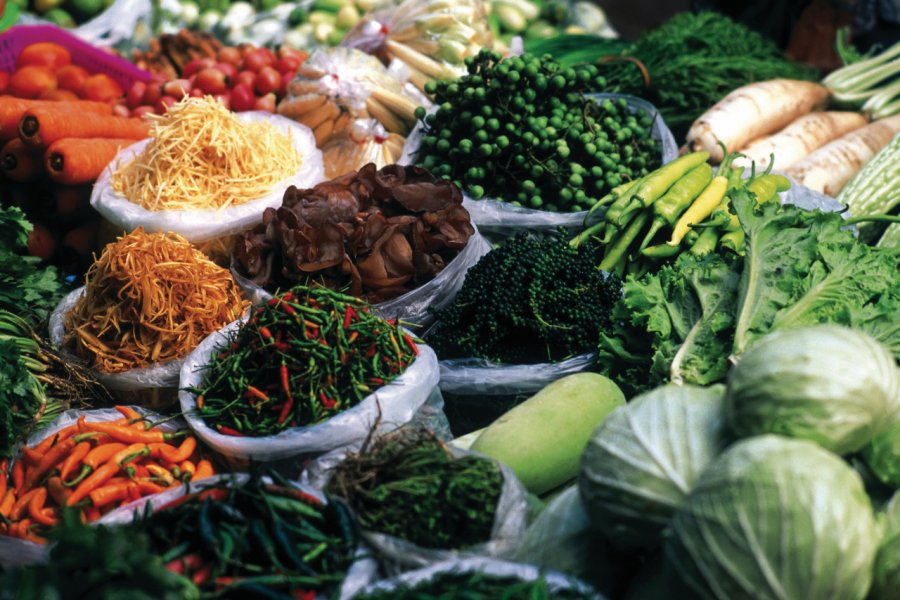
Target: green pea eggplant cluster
<point>681,207</point>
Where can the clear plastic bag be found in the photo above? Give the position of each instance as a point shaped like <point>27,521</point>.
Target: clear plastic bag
<point>414,307</point>
<point>397,555</point>
<point>336,86</point>
<point>363,141</point>
<point>433,37</point>
<point>153,387</point>
<point>201,225</point>
<point>556,582</point>
<point>497,216</point>
<point>393,404</point>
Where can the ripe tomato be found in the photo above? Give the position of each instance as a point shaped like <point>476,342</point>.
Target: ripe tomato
<point>152,93</point>
<point>212,81</point>
<point>229,55</point>
<point>101,88</point>
<point>268,80</point>
<point>135,95</point>
<point>242,98</point>
<point>287,64</point>
<point>44,54</point>
<point>197,65</point>
<point>247,78</point>
<point>31,81</point>
<point>256,61</point>
<point>71,77</point>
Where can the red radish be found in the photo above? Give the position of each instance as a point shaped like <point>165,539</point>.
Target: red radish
<point>135,95</point>
<point>247,78</point>
<point>152,94</point>
<point>229,69</point>
<point>163,104</point>
<point>256,61</point>
<point>197,65</point>
<point>242,98</point>
<point>140,111</point>
<point>266,103</point>
<point>4,81</point>
<point>287,63</point>
<point>212,81</point>
<point>120,110</point>
<point>71,77</point>
<point>268,80</point>
<point>230,55</point>
<point>177,88</point>
<point>225,99</point>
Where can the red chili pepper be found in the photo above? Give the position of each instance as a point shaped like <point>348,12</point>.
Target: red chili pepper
<point>376,380</point>
<point>264,331</point>
<point>274,302</point>
<point>288,296</point>
<point>327,402</point>
<point>287,308</point>
<point>412,345</point>
<point>282,346</point>
<point>256,393</point>
<point>229,431</point>
<point>286,410</point>
<point>348,314</point>
<point>371,351</point>
<point>324,343</point>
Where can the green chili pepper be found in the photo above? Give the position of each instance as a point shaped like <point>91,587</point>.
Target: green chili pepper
<point>617,251</point>
<point>705,243</point>
<point>660,251</point>
<point>658,182</point>
<point>669,207</point>
<point>766,187</point>
<point>733,240</point>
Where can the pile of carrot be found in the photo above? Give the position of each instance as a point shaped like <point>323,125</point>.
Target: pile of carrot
<point>94,467</point>
<point>71,142</point>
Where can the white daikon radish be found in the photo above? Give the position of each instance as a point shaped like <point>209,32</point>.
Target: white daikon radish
<point>829,168</point>
<point>793,143</point>
<point>753,111</point>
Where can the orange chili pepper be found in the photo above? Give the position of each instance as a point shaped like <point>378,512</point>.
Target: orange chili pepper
<point>7,503</point>
<point>18,475</point>
<point>53,456</point>
<point>102,454</point>
<point>204,470</point>
<point>57,437</point>
<point>131,414</point>
<point>129,435</point>
<point>91,513</point>
<point>30,456</point>
<point>134,492</point>
<point>22,503</point>
<point>148,487</point>
<point>4,466</point>
<point>140,470</point>
<point>36,508</point>
<point>109,493</point>
<point>174,455</point>
<point>162,474</point>
<point>76,456</point>
<point>58,492</point>
<point>93,481</point>
<point>188,467</point>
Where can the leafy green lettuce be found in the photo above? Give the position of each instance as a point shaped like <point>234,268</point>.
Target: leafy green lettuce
<point>683,322</point>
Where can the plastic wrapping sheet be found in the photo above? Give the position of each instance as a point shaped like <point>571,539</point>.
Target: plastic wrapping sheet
<point>201,225</point>
<point>397,555</point>
<point>393,404</point>
<point>502,217</point>
<point>414,307</point>
<point>555,581</point>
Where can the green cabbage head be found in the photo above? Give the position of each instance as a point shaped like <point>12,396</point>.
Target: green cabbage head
<point>886,585</point>
<point>641,463</point>
<point>775,518</point>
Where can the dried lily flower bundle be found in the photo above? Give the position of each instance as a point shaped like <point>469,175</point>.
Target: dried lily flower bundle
<point>380,233</point>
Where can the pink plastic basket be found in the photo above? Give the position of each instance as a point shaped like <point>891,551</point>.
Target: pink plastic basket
<point>83,54</point>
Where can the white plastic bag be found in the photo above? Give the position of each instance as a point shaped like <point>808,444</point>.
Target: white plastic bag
<point>394,404</point>
<point>503,217</point>
<point>151,387</point>
<point>398,555</point>
<point>412,308</point>
<point>200,225</point>
<point>556,582</point>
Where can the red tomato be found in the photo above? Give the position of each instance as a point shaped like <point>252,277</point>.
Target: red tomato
<point>268,80</point>
<point>246,49</point>
<point>31,81</point>
<point>229,55</point>
<point>270,56</point>
<point>71,77</point>
<point>140,111</point>
<point>266,103</point>
<point>212,81</point>
<point>229,69</point>
<point>242,98</point>
<point>196,93</point>
<point>44,54</point>
<point>197,65</point>
<point>102,88</point>
<point>177,88</point>
<point>286,78</point>
<point>286,51</point>
<point>152,94</point>
<point>247,78</point>
<point>256,61</point>
<point>4,81</point>
<point>135,95</point>
<point>224,99</point>
<point>58,94</point>
<point>288,64</point>
<point>163,104</point>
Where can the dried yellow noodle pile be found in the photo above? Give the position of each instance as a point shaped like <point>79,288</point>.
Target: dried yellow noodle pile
<point>150,297</point>
<point>202,156</point>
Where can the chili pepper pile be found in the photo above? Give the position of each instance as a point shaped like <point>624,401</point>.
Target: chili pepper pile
<point>93,467</point>
<point>408,485</point>
<point>255,539</point>
<point>301,358</point>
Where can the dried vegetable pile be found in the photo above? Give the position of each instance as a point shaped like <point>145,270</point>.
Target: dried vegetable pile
<point>639,370</point>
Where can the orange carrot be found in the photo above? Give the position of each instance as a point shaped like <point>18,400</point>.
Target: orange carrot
<point>110,493</point>
<point>41,126</point>
<point>19,162</point>
<point>53,456</point>
<point>94,480</point>
<point>13,109</point>
<point>74,458</point>
<point>72,161</point>
<point>126,434</point>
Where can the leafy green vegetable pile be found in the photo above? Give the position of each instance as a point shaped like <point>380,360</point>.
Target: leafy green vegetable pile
<point>531,300</point>
<point>23,284</point>
<point>522,131</point>
<point>692,61</point>
<point>800,268</point>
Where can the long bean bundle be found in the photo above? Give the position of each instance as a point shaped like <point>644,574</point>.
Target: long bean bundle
<point>149,297</point>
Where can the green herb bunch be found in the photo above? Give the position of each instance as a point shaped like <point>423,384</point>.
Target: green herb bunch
<point>410,486</point>
<point>531,300</point>
<point>521,130</point>
<point>301,358</point>
<point>477,586</point>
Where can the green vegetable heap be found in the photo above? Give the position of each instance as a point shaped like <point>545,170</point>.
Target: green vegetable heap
<point>522,131</point>
<point>410,486</point>
<point>476,586</point>
<point>301,358</point>
<point>529,301</point>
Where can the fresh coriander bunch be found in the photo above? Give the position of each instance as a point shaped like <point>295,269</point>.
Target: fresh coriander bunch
<point>522,130</point>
